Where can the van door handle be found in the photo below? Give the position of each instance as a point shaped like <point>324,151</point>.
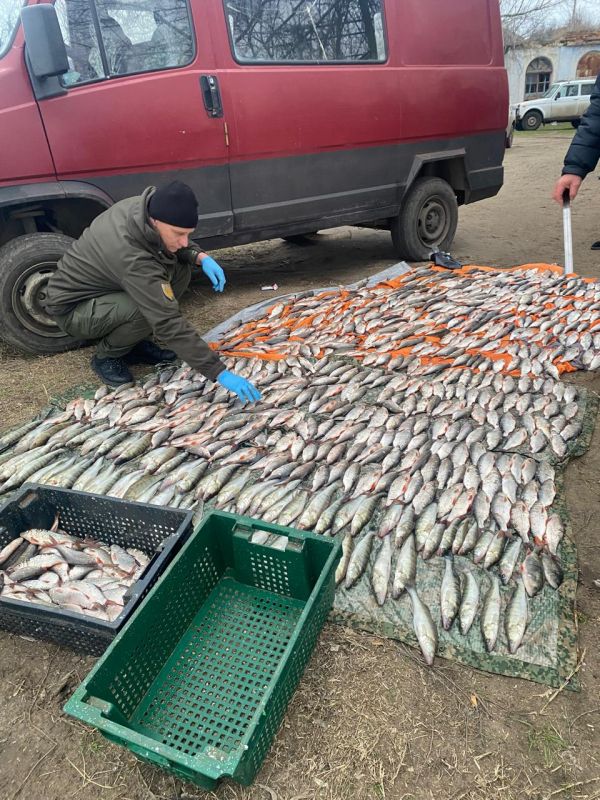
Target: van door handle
<point>211,95</point>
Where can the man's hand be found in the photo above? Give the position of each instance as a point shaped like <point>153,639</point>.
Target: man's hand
<point>213,272</point>
<point>564,183</point>
<point>240,386</point>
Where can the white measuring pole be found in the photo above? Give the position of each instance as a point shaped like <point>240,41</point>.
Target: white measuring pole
<point>567,231</point>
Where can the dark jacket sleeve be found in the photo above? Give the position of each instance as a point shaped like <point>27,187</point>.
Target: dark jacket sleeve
<point>584,152</point>
<point>188,255</point>
<point>145,282</point>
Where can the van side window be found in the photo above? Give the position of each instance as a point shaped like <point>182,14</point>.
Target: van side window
<point>77,27</point>
<point>312,31</point>
<point>587,89</point>
<point>572,91</point>
<point>136,36</point>
<point>143,36</point>
<point>10,14</point>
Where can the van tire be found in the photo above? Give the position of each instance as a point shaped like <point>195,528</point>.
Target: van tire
<point>26,263</point>
<point>427,220</point>
<point>575,123</point>
<point>532,121</point>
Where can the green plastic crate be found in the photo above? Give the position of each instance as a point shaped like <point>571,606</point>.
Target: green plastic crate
<point>198,681</point>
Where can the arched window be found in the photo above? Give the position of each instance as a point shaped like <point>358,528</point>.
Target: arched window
<point>538,77</point>
<point>589,65</point>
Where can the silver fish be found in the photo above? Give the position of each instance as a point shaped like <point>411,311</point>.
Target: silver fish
<point>553,572</point>
<point>380,575</point>
<point>359,560</point>
<point>490,614</point>
<point>532,573</point>
<point>509,560</point>
<point>450,595</point>
<point>516,617</point>
<point>342,567</point>
<point>469,602</point>
<point>423,626</point>
<point>406,567</point>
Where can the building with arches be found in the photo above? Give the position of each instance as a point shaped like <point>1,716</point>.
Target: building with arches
<point>532,67</point>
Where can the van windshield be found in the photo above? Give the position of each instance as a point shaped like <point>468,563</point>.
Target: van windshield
<point>9,19</point>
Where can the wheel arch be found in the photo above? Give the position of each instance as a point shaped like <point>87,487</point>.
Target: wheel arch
<point>54,207</point>
<point>449,165</point>
<point>537,109</point>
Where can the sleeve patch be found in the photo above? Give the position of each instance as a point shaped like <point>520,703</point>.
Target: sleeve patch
<point>168,291</point>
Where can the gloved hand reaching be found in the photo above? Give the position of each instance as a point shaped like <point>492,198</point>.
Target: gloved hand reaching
<point>214,273</point>
<point>240,386</point>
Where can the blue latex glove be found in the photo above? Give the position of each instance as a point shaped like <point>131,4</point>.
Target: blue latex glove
<point>243,388</point>
<point>214,273</point>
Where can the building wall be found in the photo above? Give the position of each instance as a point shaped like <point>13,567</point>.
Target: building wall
<point>564,60</point>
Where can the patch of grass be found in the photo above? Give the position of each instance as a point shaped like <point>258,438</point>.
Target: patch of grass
<point>94,745</point>
<point>582,617</point>
<point>548,742</point>
<point>561,127</point>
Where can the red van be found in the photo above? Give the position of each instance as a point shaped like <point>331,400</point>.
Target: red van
<point>285,116</point>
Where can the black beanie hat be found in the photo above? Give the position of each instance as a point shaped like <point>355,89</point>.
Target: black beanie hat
<point>174,204</point>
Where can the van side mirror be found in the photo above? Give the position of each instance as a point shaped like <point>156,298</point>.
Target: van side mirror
<point>45,49</point>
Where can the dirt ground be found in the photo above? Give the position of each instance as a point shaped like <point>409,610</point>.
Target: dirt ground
<point>369,720</point>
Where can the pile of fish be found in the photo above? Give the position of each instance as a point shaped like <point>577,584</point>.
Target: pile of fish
<point>52,568</point>
<point>526,321</point>
<point>409,462</point>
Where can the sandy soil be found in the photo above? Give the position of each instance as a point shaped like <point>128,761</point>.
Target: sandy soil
<point>369,720</point>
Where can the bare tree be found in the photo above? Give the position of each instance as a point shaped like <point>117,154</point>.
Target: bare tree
<point>581,18</point>
<point>582,14</point>
<point>525,19</point>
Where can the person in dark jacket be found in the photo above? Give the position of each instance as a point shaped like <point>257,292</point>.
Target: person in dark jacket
<point>583,154</point>
<point>121,282</point>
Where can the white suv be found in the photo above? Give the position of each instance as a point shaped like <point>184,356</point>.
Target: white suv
<point>563,102</point>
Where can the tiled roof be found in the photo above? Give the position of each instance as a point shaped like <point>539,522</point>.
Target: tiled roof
<point>580,37</point>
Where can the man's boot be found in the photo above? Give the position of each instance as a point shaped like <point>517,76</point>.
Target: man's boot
<point>113,371</point>
<point>147,352</point>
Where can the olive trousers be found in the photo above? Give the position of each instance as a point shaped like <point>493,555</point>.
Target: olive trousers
<point>114,320</point>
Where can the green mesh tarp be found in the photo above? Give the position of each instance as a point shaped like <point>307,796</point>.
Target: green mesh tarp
<point>549,650</point>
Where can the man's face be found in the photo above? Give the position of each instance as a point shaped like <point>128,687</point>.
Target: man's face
<point>172,237</point>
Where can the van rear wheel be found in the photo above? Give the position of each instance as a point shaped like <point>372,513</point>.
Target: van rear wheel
<point>26,264</point>
<point>427,220</point>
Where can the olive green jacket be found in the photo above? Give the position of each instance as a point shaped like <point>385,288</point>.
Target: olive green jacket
<point>121,251</point>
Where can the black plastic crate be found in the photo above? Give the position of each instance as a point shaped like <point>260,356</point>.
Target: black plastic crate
<point>158,532</point>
